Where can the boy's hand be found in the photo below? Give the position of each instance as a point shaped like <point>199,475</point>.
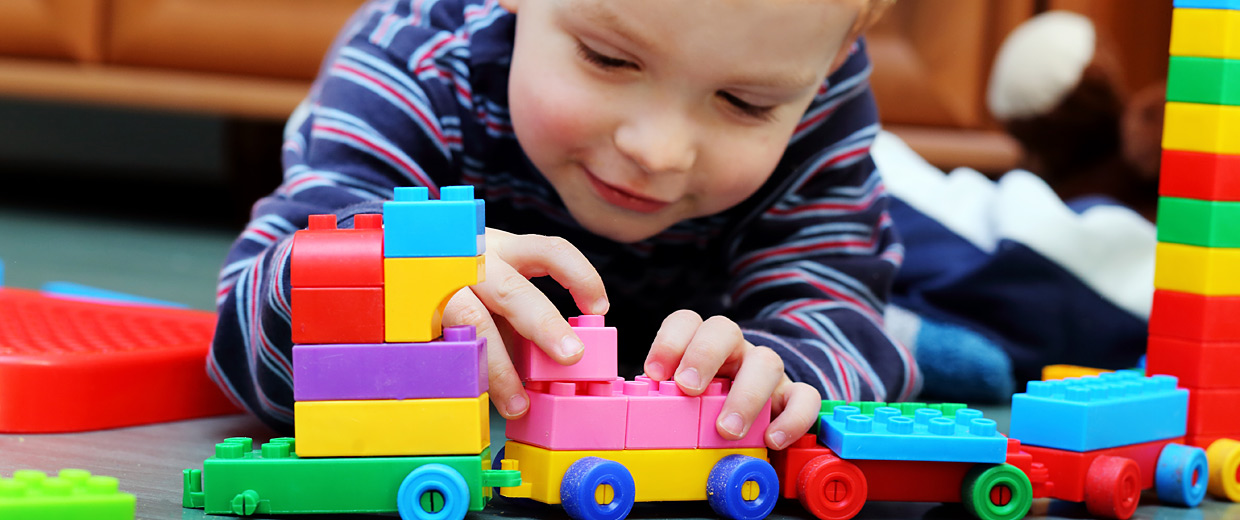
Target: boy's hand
<point>693,351</point>
<point>507,304</point>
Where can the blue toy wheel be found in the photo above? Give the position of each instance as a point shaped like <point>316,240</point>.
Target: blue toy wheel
<point>1181,475</point>
<point>597,489</point>
<point>742,488</point>
<point>433,492</point>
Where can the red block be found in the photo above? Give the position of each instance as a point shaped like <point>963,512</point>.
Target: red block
<point>1213,412</point>
<point>1196,175</point>
<point>337,315</point>
<point>1197,364</point>
<point>1069,470</point>
<point>1195,316</point>
<point>324,256</point>
<point>1204,441</point>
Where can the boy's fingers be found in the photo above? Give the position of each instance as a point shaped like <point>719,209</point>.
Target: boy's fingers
<point>795,407</point>
<point>717,340</point>
<point>760,373</point>
<point>504,384</point>
<point>508,293</point>
<point>670,343</point>
<point>538,255</point>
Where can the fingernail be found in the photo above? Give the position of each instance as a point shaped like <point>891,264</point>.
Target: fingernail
<point>689,378</point>
<point>571,346</point>
<point>601,306</point>
<point>733,424</point>
<point>778,439</point>
<point>516,404</point>
<point>655,371</point>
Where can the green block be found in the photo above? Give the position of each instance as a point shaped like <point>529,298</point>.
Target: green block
<point>1195,222</point>
<point>1211,81</point>
<point>274,480</point>
<point>72,495</point>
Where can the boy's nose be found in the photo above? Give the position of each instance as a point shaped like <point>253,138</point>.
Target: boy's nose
<point>658,145</point>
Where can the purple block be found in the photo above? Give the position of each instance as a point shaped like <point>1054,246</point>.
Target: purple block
<point>455,366</point>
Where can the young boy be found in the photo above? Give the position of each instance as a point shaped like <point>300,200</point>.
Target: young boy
<point>687,155</point>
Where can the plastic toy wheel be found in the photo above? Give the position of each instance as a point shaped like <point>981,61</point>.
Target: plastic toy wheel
<point>433,492</point>
<point>597,489</point>
<point>742,488</point>
<point>1224,455</point>
<point>245,503</point>
<point>831,488</point>
<point>1181,474</point>
<point>997,492</point>
<point>1112,487</point>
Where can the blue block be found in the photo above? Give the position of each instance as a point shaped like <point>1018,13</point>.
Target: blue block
<point>926,436</point>
<point>1096,412</point>
<point>416,227</point>
<point>1207,4</point>
<point>77,291</point>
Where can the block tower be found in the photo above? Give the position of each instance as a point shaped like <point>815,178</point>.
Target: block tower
<point>1195,321</point>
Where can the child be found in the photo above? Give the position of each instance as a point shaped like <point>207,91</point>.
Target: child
<point>688,156</point>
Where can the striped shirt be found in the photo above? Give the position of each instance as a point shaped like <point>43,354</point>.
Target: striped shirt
<point>415,94</point>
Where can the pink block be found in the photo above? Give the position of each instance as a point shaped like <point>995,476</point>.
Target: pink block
<point>598,363</point>
<point>712,404</point>
<point>660,416</point>
<point>572,416</point>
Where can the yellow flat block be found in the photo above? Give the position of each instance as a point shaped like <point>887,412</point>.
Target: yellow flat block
<point>416,290</point>
<point>1212,271</point>
<point>1196,127</point>
<point>658,475</point>
<point>1208,33</point>
<point>1053,372</point>
<point>392,427</point>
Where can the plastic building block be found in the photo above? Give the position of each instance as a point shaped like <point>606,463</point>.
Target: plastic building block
<point>929,435</point>
<point>275,480</point>
<point>74,494</point>
<point>1195,317</point>
<point>660,416</point>
<point>337,315</point>
<point>1196,364</point>
<point>416,290</point>
<point>597,363</point>
<point>1224,457</point>
<point>324,256</point>
<point>1210,271</point>
<point>1053,372</point>
<point>1198,222</point>
<point>454,367</point>
<point>1207,4</point>
<point>389,427</point>
<point>86,293</point>
<point>712,405</point>
<point>661,475</point>
<point>1194,127</point>
<point>1196,175</point>
<point>573,416</point>
<point>74,366</point>
<point>1092,413</point>
<point>1204,80</point>
<point>415,226</point>
<point>1212,411</point>
<point>1207,33</point>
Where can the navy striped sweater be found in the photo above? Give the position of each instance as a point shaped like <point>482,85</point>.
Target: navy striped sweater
<point>415,94</point>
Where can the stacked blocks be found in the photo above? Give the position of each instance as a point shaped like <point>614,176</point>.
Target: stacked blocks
<point>1194,333</point>
<point>954,434</point>
<point>74,494</point>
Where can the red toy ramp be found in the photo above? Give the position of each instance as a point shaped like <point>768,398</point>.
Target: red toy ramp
<point>70,366</point>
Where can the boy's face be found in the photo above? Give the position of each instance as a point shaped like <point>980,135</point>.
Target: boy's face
<point>643,113</point>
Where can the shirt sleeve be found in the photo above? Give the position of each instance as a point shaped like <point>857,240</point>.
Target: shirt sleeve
<point>384,112</point>
<point>812,272</point>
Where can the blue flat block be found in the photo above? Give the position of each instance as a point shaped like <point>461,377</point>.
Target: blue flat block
<point>1096,412</point>
<point>1207,4</point>
<point>415,226</point>
<point>77,291</point>
<point>928,435</point>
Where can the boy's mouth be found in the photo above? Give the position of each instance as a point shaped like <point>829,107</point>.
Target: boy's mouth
<point>623,198</point>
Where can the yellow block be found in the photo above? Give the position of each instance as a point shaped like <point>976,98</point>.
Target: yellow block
<point>1223,457</point>
<point>415,291</point>
<point>658,475</point>
<point>1195,127</point>
<point>1209,33</point>
<point>392,427</point>
<point>1212,271</point>
<point>1053,372</point>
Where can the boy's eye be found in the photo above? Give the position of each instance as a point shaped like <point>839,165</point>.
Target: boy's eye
<point>602,60</point>
<point>748,109</point>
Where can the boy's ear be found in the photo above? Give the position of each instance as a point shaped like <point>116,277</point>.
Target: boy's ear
<point>510,5</point>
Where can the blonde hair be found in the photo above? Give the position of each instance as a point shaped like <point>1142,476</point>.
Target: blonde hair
<point>872,12</point>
